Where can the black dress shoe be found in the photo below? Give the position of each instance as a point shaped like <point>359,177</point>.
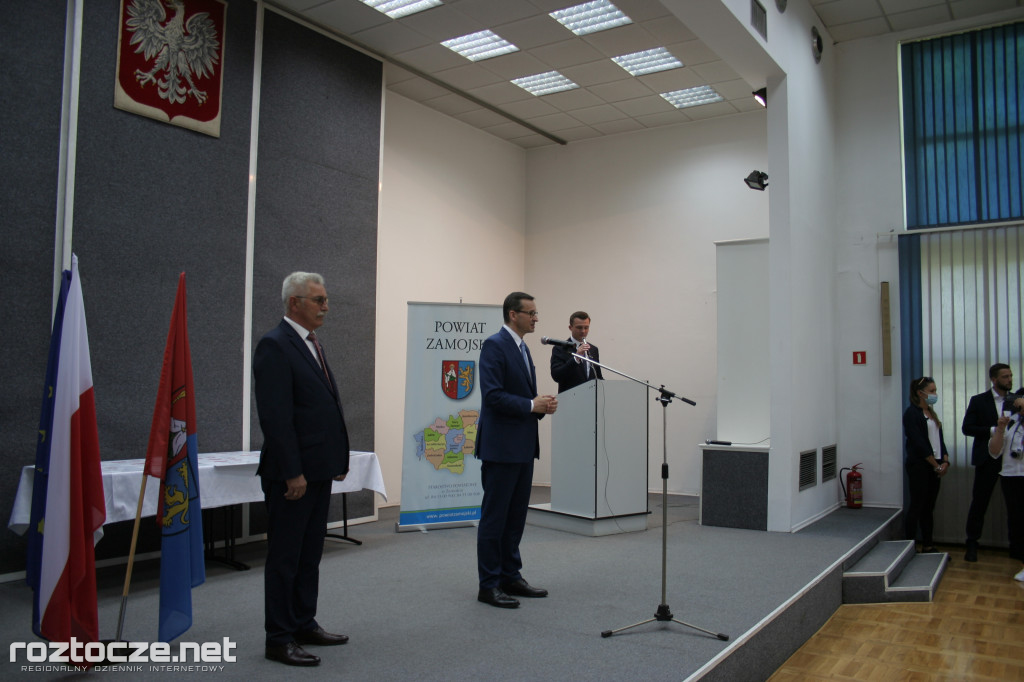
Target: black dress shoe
<point>971,554</point>
<point>320,636</point>
<point>291,654</point>
<point>496,597</point>
<point>521,588</point>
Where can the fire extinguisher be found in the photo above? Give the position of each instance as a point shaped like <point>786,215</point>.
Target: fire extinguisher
<point>854,488</point>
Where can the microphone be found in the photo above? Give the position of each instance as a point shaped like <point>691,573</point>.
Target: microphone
<point>717,442</point>
<point>557,342</point>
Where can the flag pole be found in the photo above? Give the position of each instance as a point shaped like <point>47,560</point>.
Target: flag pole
<point>131,560</point>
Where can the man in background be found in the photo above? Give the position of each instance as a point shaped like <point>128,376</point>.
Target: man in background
<point>305,447</point>
<point>568,371</point>
<point>982,414</point>
<point>507,445</point>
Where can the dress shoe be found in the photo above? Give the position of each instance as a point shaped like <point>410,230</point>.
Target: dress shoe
<point>291,654</point>
<point>971,554</point>
<point>496,597</point>
<point>320,636</point>
<point>521,588</point>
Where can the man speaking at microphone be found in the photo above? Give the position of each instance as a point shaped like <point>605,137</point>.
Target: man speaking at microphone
<point>507,444</point>
<point>566,370</point>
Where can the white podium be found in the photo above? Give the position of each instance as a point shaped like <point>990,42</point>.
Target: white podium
<point>598,460</point>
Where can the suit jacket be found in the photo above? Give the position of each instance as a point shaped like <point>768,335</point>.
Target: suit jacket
<point>567,372</point>
<point>915,428</point>
<point>507,430</point>
<point>300,413</point>
<point>980,417</point>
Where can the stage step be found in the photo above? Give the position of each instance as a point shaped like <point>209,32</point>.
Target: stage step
<point>893,572</point>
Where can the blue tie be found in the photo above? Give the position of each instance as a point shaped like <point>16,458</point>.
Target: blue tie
<point>526,356</point>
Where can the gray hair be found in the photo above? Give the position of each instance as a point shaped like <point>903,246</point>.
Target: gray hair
<point>297,283</point>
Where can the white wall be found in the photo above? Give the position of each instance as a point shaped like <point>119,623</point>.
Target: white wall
<point>452,227</point>
<point>624,228</point>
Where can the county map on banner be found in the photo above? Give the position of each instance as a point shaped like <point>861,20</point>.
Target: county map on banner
<point>440,475</point>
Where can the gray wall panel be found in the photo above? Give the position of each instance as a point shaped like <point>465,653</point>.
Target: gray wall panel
<point>31,67</point>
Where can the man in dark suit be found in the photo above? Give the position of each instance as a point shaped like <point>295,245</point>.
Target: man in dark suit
<point>568,371</point>
<point>507,444</point>
<point>305,447</point>
<point>982,414</point>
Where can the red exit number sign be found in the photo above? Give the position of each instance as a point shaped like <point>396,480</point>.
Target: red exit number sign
<point>860,357</point>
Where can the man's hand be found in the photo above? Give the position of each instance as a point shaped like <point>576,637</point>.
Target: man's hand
<point>340,477</point>
<point>296,488</point>
<point>545,404</point>
<point>1003,421</point>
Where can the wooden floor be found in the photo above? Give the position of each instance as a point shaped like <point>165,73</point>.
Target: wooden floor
<point>973,630</point>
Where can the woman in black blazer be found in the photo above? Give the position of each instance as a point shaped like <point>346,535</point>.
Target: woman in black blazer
<point>927,459</point>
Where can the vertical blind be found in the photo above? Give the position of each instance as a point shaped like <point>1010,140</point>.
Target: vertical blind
<point>961,312</point>
<point>963,107</point>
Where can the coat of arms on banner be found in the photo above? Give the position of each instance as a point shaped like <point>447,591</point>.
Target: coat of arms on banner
<point>170,61</point>
<point>458,378</point>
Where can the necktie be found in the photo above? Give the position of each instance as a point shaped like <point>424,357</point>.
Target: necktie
<point>526,356</point>
<point>320,356</point>
<point>586,369</point>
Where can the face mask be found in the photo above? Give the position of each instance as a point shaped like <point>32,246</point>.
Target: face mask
<point>931,399</point>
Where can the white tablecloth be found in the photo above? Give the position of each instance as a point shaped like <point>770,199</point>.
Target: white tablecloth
<point>225,478</point>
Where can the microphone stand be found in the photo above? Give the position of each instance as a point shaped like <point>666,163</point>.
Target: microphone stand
<point>664,613</point>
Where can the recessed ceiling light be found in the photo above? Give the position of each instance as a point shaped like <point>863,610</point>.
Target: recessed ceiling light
<point>591,17</point>
<point>692,97</point>
<point>648,61</point>
<point>480,45</point>
<point>401,8</point>
<point>544,83</point>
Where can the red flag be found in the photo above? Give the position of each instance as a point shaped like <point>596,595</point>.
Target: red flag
<point>172,456</point>
<point>74,508</point>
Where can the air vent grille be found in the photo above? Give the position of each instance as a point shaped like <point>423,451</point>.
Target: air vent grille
<point>828,462</point>
<point>759,18</point>
<point>808,469</point>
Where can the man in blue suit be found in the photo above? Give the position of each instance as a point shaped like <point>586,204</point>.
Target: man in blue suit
<point>305,447</point>
<point>507,444</point>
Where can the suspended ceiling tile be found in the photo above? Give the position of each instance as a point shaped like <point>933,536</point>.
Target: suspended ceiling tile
<point>509,130</point>
<point>623,125</point>
<point>568,100</point>
<point>623,40</point>
<point>533,141</point>
<point>491,13</point>
<point>663,119</point>
<point>431,58</point>
<point>534,32</point>
<point>621,90</point>
<point>848,11</point>
<point>642,10</point>
<point>442,22</point>
<point>599,114</point>
<point>452,104</point>
<point>529,108</point>
<point>710,110</point>
<point>418,89</point>
<point>695,52</point>
<point>567,53</point>
<point>676,79</point>
<point>716,72</point>
<point>919,18</point>
<point>500,94</point>
<point>669,31</point>
<point>468,77</point>
<point>345,16</point>
<point>554,122</point>
<point>579,133</point>
<point>392,38</point>
<point>514,65</point>
<point>594,73</point>
<point>642,106</point>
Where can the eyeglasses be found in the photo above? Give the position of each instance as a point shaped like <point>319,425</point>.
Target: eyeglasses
<point>531,313</point>
<point>319,300</point>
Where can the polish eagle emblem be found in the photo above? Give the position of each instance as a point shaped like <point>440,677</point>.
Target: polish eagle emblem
<point>183,50</point>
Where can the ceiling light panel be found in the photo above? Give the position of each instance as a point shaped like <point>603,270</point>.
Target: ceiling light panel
<point>544,83</point>
<point>397,9</point>
<point>591,17</point>
<point>692,97</point>
<point>648,61</point>
<point>480,45</point>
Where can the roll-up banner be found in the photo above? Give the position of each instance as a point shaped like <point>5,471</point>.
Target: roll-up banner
<point>440,476</point>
